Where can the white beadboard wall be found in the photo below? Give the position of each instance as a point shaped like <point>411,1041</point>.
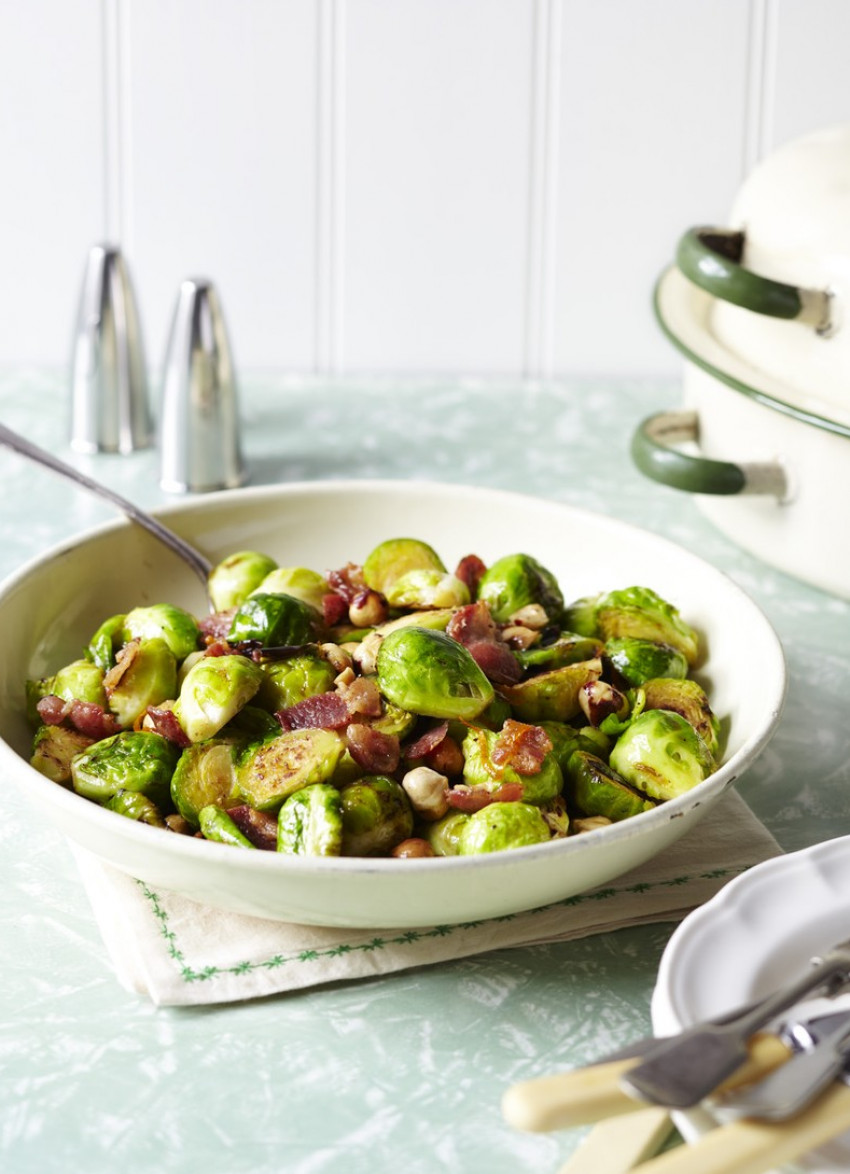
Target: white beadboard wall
<point>470,187</point>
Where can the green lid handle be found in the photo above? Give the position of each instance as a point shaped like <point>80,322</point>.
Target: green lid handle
<point>711,259</point>
<point>655,453</point>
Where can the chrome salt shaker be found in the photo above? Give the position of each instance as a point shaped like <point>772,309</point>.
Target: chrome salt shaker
<point>199,432</point>
<point>109,387</point>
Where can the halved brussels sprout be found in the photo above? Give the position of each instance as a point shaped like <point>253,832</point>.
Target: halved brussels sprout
<point>366,655</point>
<point>479,770</point>
<point>515,581</point>
<point>148,679</point>
<point>286,682</point>
<point>298,582</point>
<point>501,826</point>
<point>217,825</point>
<point>205,775</point>
<point>688,699</point>
<point>272,771</point>
<point>129,761</point>
<point>395,557</point>
<point>566,739</point>
<point>427,672</point>
<point>568,648</point>
<point>235,577</point>
<point>310,822</point>
<point>662,755</point>
<point>376,815</point>
<point>444,835</point>
<point>274,619</point>
<point>580,616</point>
<point>133,805</point>
<point>426,589</point>
<point>105,643</point>
<point>551,696</point>
<point>172,624</point>
<point>595,789</point>
<point>641,613</point>
<point>213,692</point>
<point>639,660</point>
<point>53,749</point>
<point>80,680</point>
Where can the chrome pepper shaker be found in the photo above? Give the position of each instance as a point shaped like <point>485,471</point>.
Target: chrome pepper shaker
<point>199,433</point>
<point>109,386</point>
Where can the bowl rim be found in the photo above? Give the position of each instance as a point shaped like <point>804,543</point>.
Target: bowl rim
<point>682,311</point>
<point>274,863</point>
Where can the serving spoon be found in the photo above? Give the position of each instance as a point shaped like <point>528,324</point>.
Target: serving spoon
<point>192,557</point>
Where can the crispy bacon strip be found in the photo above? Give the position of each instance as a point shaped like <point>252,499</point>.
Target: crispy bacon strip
<point>474,628</point>
<point>165,723</point>
<point>376,752</point>
<point>260,827</point>
<point>427,742</point>
<point>470,570</point>
<point>86,716</point>
<point>325,711</point>
<point>217,625</point>
<point>521,746</point>
<point>469,799</point>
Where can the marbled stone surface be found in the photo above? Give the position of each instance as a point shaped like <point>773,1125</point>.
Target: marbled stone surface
<point>404,1072</point>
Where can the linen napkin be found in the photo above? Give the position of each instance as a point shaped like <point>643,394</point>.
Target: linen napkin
<point>179,952</point>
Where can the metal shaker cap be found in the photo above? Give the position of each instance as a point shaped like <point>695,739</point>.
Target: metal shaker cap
<point>199,435</point>
<point>109,387</point>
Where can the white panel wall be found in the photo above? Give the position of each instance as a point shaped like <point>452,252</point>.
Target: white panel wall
<point>446,186</point>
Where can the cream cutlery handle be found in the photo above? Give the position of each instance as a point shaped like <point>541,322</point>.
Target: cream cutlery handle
<point>752,1147</point>
<point>620,1144</point>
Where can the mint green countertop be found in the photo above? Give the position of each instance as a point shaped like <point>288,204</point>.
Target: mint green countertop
<point>403,1072</point>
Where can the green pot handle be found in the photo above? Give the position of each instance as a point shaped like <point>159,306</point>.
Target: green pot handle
<point>655,453</point>
<point>711,259</point>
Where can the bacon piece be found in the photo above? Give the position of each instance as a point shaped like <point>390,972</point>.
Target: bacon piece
<point>124,657</point>
<point>470,799</point>
<point>85,716</point>
<point>521,746</point>
<point>219,647</point>
<point>496,661</point>
<point>376,752</point>
<point>325,711</point>
<point>334,609</point>
<point>472,623</point>
<point>165,723</point>
<point>217,625</point>
<point>347,581</point>
<point>427,742</point>
<point>470,570</point>
<point>260,827</point>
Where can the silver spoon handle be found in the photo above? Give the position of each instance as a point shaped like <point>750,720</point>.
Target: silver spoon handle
<point>199,564</point>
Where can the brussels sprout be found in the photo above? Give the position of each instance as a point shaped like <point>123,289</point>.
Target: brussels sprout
<point>80,680</point>
<point>286,682</point>
<point>366,655</point>
<point>105,643</point>
<point>298,582</point>
<point>425,589</point>
<point>567,649</point>
<point>500,826</point>
<point>149,678</point>
<point>557,817</point>
<point>595,789</point>
<point>53,748</point>
<point>395,557</point>
<point>580,616</point>
<point>566,739</point>
<point>641,613</point>
<point>213,692</point>
<point>480,771</point>
<point>205,775</point>
<point>172,624</point>
<point>638,660</point>
<point>129,761</point>
<point>216,824</point>
<point>270,772</point>
<point>393,720</point>
<point>36,688</point>
<point>250,724</point>
<point>662,755</point>
<point>444,835</point>
<point>427,672</point>
<point>310,822</point>
<point>514,582</point>
<point>234,578</point>
<point>274,619</point>
<point>551,696</point>
<point>688,699</point>
<point>136,806</point>
<point>376,815</point>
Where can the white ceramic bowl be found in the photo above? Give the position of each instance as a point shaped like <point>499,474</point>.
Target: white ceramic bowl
<point>758,932</point>
<point>49,609</point>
